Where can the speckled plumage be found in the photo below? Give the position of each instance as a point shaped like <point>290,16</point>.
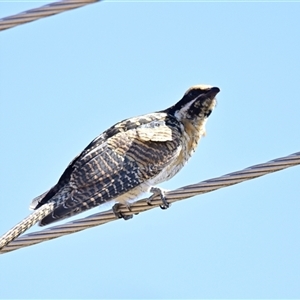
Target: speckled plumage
<point>131,157</point>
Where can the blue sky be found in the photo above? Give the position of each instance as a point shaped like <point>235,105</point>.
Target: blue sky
<point>66,78</point>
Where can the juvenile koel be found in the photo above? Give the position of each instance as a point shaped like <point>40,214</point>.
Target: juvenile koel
<point>131,157</point>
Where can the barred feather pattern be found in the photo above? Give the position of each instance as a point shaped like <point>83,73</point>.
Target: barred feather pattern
<point>120,160</point>
<point>125,161</point>
<point>130,157</point>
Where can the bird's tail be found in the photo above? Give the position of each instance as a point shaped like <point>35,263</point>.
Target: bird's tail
<point>34,203</point>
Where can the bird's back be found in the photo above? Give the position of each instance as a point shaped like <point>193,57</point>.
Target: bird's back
<point>131,156</point>
<point>119,164</point>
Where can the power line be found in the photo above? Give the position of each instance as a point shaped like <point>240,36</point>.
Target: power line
<point>141,205</point>
<point>42,12</point>
<point>10,242</point>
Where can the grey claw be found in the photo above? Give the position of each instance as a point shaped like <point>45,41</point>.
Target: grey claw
<point>118,214</point>
<point>165,204</point>
<point>158,191</point>
<point>149,200</point>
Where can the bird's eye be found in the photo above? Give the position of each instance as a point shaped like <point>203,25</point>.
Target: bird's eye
<point>193,94</point>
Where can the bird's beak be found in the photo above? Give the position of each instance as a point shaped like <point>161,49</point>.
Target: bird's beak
<point>213,92</point>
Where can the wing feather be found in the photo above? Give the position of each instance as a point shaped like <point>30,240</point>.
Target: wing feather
<point>116,165</point>
<point>156,131</point>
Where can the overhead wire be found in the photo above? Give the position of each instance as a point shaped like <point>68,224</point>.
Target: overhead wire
<point>10,241</point>
<point>142,205</point>
<point>42,12</point>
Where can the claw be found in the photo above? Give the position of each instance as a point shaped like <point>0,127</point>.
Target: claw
<point>158,191</point>
<point>118,214</point>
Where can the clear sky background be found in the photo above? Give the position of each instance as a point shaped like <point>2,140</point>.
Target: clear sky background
<point>66,78</point>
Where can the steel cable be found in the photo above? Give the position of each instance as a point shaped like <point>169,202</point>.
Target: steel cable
<point>42,12</point>
<point>142,205</point>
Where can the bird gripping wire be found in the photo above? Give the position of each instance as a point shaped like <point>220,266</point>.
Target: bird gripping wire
<point>139,206</point>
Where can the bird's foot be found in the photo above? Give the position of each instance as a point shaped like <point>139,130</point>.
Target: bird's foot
<point>118,214</point>
<point>161,192</point>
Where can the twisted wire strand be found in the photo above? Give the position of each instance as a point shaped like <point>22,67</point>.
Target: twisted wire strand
<point>142,205</point>
<point>42,12</point>
<point>25,224</point>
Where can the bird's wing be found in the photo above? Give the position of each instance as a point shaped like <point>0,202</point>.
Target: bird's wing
<point>132,152</point>
<point>65,177</point>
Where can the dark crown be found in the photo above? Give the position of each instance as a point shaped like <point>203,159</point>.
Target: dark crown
<point>197,92</point>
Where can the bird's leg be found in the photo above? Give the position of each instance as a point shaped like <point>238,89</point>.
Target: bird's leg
<point>161,192</point>
<point>118,214</point>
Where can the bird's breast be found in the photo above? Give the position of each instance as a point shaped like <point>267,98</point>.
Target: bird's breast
<point>192,133</point>
<point>190,137</point>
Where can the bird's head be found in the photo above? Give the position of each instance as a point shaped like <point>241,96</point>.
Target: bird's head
<point>196,104</point>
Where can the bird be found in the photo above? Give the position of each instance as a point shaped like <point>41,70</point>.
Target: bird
<point>131,157</point>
